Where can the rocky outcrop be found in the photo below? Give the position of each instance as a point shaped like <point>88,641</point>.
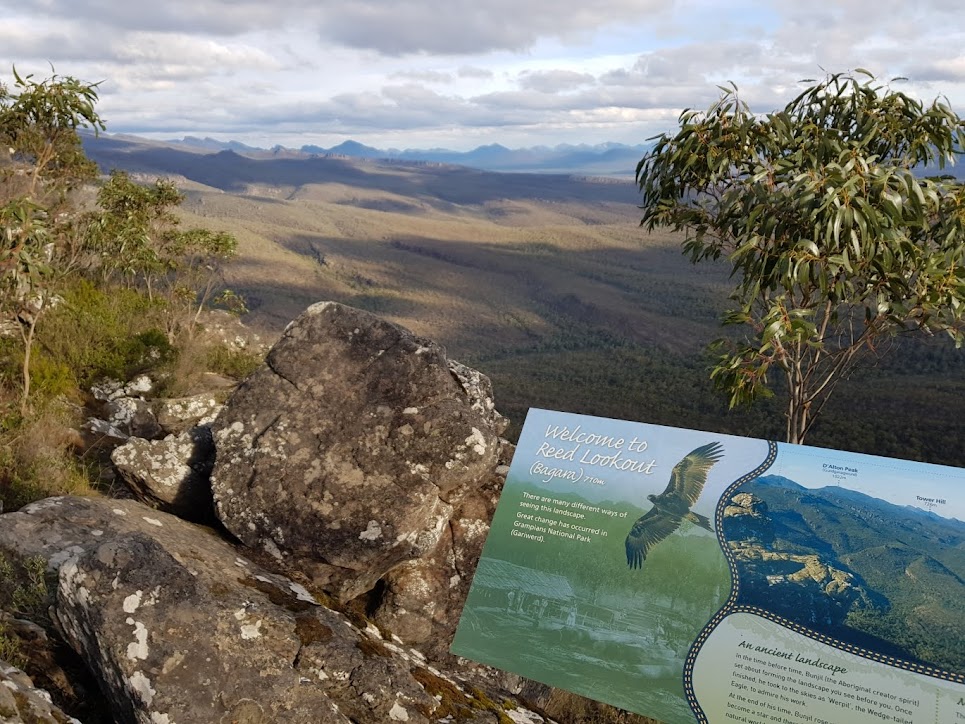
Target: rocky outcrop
<point>746,518</point>
<point>179,627</point>
<point>360,461</point>
<point>349,452</point>
<point>22,703</point>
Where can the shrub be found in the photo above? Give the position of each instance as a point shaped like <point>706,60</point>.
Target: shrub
<point>99,333</point>
<point>232,362</point>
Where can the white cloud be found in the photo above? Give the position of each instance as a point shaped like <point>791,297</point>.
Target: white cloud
<point>483,71</point>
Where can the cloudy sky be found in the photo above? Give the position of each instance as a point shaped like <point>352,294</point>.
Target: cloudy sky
<point>460,73</point>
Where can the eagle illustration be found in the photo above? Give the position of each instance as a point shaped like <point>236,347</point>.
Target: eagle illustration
<point>673,505</point>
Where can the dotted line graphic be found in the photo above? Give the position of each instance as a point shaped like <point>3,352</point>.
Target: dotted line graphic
<point>732,565</point>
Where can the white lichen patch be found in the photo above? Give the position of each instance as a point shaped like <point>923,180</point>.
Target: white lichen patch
<point>477,441</point>
<point>524,716</point>
<point>368,698</point>
<point>137,649</point>
<point>132,602</point>
<point>159,718</point>
<point>152,521</point>
<point>60,557</point>
<point>122,412</point>
<point>271,549</point>
<point>301,593</point>
<point>118,511</point>
<point>141,384</point>
<point>454,580</point>
<point>104,428</point>
<point>411,411</point>
<point>71,580</point>
<point>251,631</point>
<point>372,532</point>
<point>40,505</point>
<point>474,528</point>
<point>141,687</point>
<point>398,713</point>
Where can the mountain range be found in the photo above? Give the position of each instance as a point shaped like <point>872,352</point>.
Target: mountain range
<point>605,159</point>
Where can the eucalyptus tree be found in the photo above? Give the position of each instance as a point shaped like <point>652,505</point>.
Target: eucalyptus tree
<point>835,243</point>
<point>41,161</point>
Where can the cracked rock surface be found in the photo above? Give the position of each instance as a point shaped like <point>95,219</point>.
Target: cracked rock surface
<point>348,451</point>
<point>178,627</point>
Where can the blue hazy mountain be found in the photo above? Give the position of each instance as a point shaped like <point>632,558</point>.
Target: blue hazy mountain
<point>604,159</point>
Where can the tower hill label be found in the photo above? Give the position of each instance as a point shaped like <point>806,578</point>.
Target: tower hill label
<point>699,577</point>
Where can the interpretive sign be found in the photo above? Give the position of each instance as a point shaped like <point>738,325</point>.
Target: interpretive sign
<point>693,576</point>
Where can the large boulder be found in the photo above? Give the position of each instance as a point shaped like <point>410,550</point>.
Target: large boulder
<point>347,452</point>
<point>178,627</point>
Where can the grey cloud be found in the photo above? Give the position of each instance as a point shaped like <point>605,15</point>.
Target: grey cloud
<point>949,70</point>
<point>469,71</point>
<point>554,81</point>
<point>426,76</point>
<point>456,27</point>
<point>464,27</point>
<point>217,17</point>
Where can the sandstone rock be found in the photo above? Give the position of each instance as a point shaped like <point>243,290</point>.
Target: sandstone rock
<point>180,414</point>
<point>345,451</point>
<point>171,474</point>
<point>54,667</point>
<point>97,434</point>
<point>423,598</point>
<point>179,628</point>
<point>132,416</point>
<point>22,703</point>
<point>107,390</point>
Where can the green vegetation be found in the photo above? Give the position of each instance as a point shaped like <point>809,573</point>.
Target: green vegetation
<point>23,592</point>
<point>908,569</point>
<point>95,281</point>
<point>834,243</point>
<point>548,288</point>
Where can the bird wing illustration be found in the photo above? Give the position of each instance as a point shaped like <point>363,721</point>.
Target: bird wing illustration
<point>689,475</point>
<point>670,507</point>
<point>650,528</point>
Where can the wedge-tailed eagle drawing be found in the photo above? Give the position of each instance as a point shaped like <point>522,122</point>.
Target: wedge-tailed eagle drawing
<point>673,505</point>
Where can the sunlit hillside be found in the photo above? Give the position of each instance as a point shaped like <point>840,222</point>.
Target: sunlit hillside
<point>544,282</point>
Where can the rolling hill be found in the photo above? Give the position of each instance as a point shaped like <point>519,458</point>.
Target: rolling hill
<point>545,282</point>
